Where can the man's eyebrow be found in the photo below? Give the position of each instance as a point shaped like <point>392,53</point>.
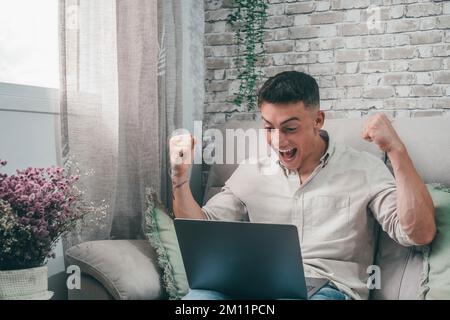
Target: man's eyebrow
<point>290,119</point>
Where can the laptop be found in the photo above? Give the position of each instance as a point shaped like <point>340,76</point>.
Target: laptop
<point>245,260</point>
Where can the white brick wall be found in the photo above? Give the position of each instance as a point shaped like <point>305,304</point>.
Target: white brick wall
<point>367,55</point>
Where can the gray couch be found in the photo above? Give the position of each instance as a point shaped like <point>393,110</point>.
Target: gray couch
<point>126,269</point>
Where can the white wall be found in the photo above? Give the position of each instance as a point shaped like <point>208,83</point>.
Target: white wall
<point>29,120</point>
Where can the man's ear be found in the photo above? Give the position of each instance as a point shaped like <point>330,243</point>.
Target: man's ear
<point>319,120</point>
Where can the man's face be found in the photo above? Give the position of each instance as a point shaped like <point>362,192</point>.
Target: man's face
<point>297,129</point>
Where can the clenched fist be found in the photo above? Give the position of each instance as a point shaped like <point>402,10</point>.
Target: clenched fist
<point>181,150</point>
<point>378,128</point>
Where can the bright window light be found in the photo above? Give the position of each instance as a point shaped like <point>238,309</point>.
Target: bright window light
<point>29,42</point>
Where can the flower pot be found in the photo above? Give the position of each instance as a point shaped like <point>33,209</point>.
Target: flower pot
<point>25,284</point>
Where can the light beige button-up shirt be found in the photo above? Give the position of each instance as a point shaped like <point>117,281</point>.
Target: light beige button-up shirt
<point>334,210</point>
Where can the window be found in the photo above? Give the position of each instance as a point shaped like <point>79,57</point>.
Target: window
<point>29,42</point>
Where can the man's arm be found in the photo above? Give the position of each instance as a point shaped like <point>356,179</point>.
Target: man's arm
<point>181,154</point>
<point>415,208</point>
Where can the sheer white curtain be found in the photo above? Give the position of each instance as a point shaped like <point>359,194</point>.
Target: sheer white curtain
<point>131,72</point>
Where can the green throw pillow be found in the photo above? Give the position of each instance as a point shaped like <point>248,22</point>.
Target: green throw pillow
<point>436,273</point>
<point>160,230</point>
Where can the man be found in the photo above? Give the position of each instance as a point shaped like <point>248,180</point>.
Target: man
<point>332,193</point>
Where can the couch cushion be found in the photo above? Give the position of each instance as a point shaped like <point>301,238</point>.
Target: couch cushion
<point>126,268</point>
<point>401,269</point>
<point>428,144</point>
<point>160,230</point>
<point>436,279</point>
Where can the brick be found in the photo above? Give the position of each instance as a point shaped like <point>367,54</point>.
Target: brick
<point>326,44</point>
<point>219,39</point>
<point>217,27</point>
<point>446,8</point>
<point>426,37</point>
<point>375,54</point>
<point>400,65</point>
<point>350,80</point>
<point>351,55</point>
<point>354,29</point>
<point>422,10</point>
<point>378,92</point>
<point>425,51</point>
<point>353,92</point>
<point>217,63</point>
<point>401,26</point>
<point>213,4</point>
<point>302,45</point>
<point>223,51</point>
<point>427,113</point>
<point>219,74</point>
<point>326,105</point>
<point>298,58</point>
<point>377,41</point>
<point>326,82</point>
<point>326,69</point>
<point>322,5</point>
<point>312,32</point>
<point>272,71</point>
<point>351,67</point>
<point>424,78</point>
<point>398,78</point>
<point>327,17</point>
<point>397,12</point>
<point>441,103</point>
<point>279,46</point>
<point>426,65</point>
<point>374,66</point>
<point>442,77</point>
<point>443,22</point>
<point>400,103</point>
<point>222,107</point>
<point>399,53</point>
<point>217,15</point>
<point>276,9</point>
<point>296,8</point>
<point>325,56</point>
<point>302,20</point>
<point>349,4</point>
<point>332,93</point>
<point>353,42</point>
<point>275,22</point>
<point>352,16</point>
<point>427,23</point>
<point>374,79</point>
<point>355,104</point>
<point>400,39</point>
<point>426,91</point>
<point>442,50</point>
<point>402,91</point>
<point>275,35</point>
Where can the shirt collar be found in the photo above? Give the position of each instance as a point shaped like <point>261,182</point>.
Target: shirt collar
<point>323,160</point>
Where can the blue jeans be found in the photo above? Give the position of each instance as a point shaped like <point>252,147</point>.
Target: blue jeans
<point>328,292</point>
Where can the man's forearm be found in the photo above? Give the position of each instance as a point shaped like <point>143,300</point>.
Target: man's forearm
<point>415,207</point>
<point>184,204</point>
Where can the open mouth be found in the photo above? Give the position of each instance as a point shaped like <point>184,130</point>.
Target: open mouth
<point>287,154</point>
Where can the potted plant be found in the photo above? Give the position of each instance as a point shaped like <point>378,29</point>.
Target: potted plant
<point>37,206</point>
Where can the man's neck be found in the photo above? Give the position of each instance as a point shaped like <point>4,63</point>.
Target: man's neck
<point>313,160</point>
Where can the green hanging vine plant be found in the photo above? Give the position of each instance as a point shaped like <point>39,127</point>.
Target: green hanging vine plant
<point>248,19</point>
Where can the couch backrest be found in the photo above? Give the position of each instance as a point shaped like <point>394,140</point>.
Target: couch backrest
<point>428,142</point>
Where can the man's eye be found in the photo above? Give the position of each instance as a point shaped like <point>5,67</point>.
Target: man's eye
<point>290,129</point>
<point>268,128</point>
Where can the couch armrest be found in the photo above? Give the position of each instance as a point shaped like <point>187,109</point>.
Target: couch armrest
<point>126,268</point>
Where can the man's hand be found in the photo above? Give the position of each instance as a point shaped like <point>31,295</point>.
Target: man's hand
<point>379,129</point>
<point>181,155</point>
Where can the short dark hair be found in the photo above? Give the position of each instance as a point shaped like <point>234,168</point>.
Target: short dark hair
<point>290,87</point>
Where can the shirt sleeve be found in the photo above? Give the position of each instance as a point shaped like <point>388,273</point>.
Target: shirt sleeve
<point>383,203</point>
<point>225,206</point>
